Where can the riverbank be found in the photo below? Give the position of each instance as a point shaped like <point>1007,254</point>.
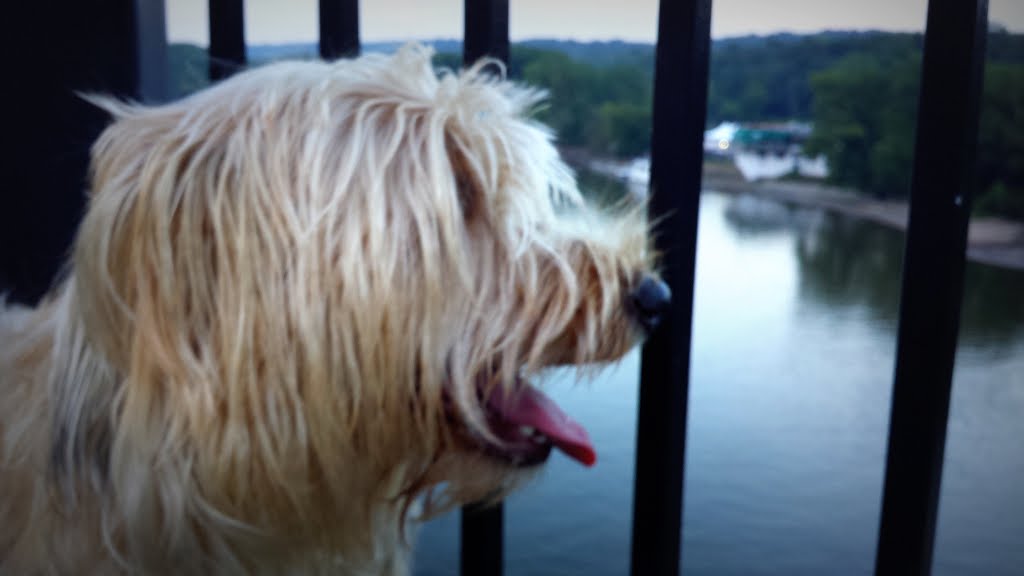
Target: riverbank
<point>993,241</point>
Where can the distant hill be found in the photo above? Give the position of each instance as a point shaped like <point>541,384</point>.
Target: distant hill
<point>858,89</point>
<point>752,77</point>
<point>268,52</point>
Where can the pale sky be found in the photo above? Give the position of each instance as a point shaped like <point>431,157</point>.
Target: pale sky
<point>285,21</point>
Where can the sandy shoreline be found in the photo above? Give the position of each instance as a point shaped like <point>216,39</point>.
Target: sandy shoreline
<point>994,241</point>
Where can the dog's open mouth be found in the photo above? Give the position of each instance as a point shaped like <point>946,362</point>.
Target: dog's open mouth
<point>528,425</point>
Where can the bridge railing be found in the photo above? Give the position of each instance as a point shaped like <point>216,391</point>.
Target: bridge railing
<point>125,52</point>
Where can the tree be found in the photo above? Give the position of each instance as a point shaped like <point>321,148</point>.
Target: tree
<point>864,115</point>
<point>623,129</point>
<point>1000,159</point>
<point>850,100</point>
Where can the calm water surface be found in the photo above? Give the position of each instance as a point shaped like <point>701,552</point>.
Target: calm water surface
<point>794,341</point>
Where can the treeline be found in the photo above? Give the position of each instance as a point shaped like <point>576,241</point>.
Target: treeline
<point>605,107</point>
<point>864,112</point>
<point>858,88</point>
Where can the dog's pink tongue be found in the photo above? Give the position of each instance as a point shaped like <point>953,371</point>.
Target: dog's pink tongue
<point>531,407</point>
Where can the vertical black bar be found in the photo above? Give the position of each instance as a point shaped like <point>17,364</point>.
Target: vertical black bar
<point>482,547</point>
<point>680,107</point>
<point>91,47</point>
<point>933,270</point>
<point>339,29</point>
<point>481,551</point>
<point>486,30</point>
<point>227,37</point>
<point>150,17</point>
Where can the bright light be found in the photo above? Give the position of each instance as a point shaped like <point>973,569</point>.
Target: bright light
<point>723,144</point>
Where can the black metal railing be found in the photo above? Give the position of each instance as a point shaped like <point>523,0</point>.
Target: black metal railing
<point>933,274</point>
<point>677,157</point>
<point>120,48</point>
<point>227,38</point>
<point>339,29</point>
<point>481,549</point>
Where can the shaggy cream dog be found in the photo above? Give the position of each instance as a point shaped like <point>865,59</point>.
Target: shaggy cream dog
<point>301,312</point>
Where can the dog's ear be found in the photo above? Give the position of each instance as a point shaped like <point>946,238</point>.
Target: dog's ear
<point>506,165</point>
<point>467,180</point>
<point>123,263</point>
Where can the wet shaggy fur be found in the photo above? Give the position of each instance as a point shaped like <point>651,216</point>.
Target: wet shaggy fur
<point>286,300</point>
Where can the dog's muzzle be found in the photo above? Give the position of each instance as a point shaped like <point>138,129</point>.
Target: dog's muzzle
<point>649,300</point>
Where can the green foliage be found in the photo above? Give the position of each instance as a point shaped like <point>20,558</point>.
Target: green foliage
<point>447,60</point>
<point>1001,201</point>
<point>864,116</point>
<point>768,78</point>
<point>604,109</point>
<point>1000,161</point>
<point>864,109</point>
<point>188,69</point>
<point>858,88</point>
<point>623,129</point>
<point>600,189</point>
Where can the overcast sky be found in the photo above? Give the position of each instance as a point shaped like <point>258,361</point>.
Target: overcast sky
<point>282,21</point>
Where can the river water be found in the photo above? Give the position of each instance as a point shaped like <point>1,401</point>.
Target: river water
<point>793,352</point>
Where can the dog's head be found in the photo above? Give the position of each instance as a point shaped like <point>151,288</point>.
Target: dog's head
<point>327,286</point>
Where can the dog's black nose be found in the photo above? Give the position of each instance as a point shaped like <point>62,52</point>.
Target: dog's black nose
<point>649,300</point>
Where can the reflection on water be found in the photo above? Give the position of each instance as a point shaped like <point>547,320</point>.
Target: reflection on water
<point>794,338</point>
<point>845,265</point>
